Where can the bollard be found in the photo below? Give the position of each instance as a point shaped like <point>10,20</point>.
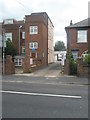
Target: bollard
<point>62,69</point>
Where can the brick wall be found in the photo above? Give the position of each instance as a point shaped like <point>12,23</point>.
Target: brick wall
<point>9,65</point>
<point>82,68</point>
<point>50,42</point>
<point>67,67</point>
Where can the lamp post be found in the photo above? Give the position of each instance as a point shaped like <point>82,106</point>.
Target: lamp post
<point>19,37</point>
<point>3,45</point>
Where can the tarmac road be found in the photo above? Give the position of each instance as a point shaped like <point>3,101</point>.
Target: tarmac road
<point>43,97</point>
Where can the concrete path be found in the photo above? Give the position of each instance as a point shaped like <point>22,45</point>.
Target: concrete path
<point>52,70</point>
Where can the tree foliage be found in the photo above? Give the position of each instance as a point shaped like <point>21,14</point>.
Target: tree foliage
<point>59,46</point>
<point>10,50</point>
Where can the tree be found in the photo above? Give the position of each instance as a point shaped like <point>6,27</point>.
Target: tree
<point>10,50</point>
<point>59,46</point>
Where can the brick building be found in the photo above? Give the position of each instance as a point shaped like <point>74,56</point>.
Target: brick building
<point>38,41</point>
<point>33,39</point>
<point>78,36</point>
<point>15,30</point>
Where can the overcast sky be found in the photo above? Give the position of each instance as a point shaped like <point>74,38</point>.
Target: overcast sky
<point>59,11</point>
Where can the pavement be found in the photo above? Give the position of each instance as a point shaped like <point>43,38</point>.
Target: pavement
<point>52,75</point>
<point>52,70</point>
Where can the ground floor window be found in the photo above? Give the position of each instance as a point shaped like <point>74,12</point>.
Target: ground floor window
<point>75,54</point>
<point>18,61</point>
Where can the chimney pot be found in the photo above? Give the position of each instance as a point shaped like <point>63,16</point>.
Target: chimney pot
<point>71,22</point>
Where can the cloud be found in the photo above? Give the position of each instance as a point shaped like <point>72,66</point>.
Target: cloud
<point>59,11</point>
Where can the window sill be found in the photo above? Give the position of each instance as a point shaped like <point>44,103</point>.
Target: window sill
<point>81,42</point>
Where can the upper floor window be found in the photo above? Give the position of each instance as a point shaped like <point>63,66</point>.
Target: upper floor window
<point>8,36</point>
<point>23,35</point>
<point>8,21</point>
<point>81,36</point>
<point>23,49</point>
<point>33,30</point>
<point>33,45</point>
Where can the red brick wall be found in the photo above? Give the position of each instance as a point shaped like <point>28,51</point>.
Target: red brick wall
<point>9,65</point>
<point>67,67</point>
<point>82,68</point>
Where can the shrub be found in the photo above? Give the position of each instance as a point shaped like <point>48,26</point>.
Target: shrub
<point>87,59</point>
<point>73,67</point>
<point>69,56</point>
<point>73,64</point>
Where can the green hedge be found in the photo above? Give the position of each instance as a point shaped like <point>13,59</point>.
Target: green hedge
<point>73,64</point>
<point>87,59</point>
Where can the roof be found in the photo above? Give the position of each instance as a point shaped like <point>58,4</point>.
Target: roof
<point>41,13</point>
<point>82,24</point>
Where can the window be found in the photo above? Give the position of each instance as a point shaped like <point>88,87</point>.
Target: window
<point>23,35</point>
<point>31,61</point>
<point>43,54</point>
<point>8,21</point>
<point>8,36</point>
<point>18,61</point>
<point>81,36</point>
<point>75,54</point>
<point>33,45</point>
<point>33,29</point>
<point>23,49</point>
<point>33,55</point>
<point>36,55</point>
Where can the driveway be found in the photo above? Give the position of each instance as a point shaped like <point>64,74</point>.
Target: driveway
<point>52,70</point>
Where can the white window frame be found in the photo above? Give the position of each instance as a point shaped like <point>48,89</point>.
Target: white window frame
<point>43,54</point>
<point>8,21</point>
<point>23,35</point>
<point>36,55</point>
<point>75,54</point>
<point>33,30</point>
<point>8,35</point>
<point>17,60</point>
<point>31,61</point>
<point>23,49</point>
<point>32,45</point>
<point>81,36</point>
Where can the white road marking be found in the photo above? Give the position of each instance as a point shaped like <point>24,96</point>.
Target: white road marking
<point>41,94</point>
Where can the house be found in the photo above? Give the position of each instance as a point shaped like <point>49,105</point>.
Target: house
<point>15,31</point>
<point>39,49</point>
<point>78,36</point>
<point>33,39</point>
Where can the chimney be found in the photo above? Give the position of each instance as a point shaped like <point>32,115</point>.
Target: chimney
<point>71,22</point>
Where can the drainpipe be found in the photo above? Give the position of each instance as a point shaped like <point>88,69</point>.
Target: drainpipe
<point>67,40</point>
<point>19,37</point>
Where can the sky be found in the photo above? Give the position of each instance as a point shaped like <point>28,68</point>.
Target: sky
<point>59,11</point>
